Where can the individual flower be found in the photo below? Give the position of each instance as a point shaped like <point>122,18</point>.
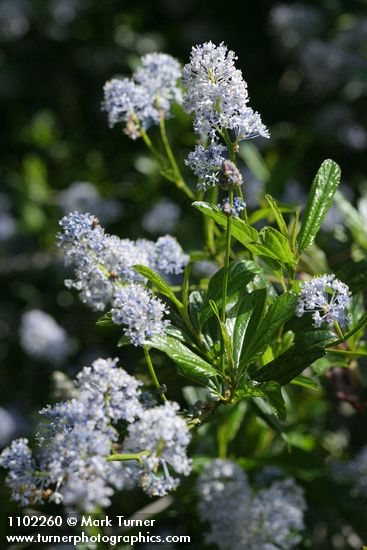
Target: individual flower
<point>162,217</point>
<point>141,312</point>
<point>142,100</point>
<point>326,298</point>
<point>233,210</point>
<point>270,518</point>
<point>217,94</point>
<point>42,338</point>
<point>165,436</point>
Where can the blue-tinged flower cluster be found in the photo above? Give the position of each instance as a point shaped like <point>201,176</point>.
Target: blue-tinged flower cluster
<point>165,435</point>
<point>217,95</point>
<point>233,210</point>
<point>326,298</point>
<point>42,338</point>
<point>206,163</point>
<point>77,436</point>
<point>168,257</point>
<point>21,479</point>
<point>270,518</point>
<point>136,307</point>
<point>104,274</point>
<point>144,98</point>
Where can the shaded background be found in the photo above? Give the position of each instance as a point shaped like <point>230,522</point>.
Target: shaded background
<point>306,68</point>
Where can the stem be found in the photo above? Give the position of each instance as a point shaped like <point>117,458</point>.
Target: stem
<point>180,183</point>
<point>225,280</point>
<point>209,225</point>
<point>355,353</point>
<point>339,330</point>
<point>153,374</point>
<point>222,438</point>
<point>358,326</point>
<point>147,140</point>
<point>123,457</point>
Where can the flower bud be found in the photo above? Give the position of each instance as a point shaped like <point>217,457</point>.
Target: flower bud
<point>229,176</point>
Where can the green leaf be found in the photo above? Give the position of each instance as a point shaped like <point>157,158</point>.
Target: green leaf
<point>240,273</point>
<point>269,244</point>
<point>189,364</point>
<point>306,382</point>
<point>105,320</point>
<point>308,347</point>
<point>158,283</point>
<point>271,420</point>
<point>244,314</point>
<point>240,230</point>
<point>225,336</point>
<point>319,201</point>
<point>277,215</point>
<point>255,162</point>
<point>269,391</point>
<point>123,341</point>
<point>355,273</point>
<point>280,311</point>
<point>273,394</point>
<point>274,245</point>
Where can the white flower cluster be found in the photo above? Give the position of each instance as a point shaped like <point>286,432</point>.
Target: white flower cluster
<point>326,298</point>
<point>137,307</point>
<point>71,466</point>
<point>217,95</point>
<point>42,338</point>
<point>165,435</point>
<point>103,265</point>
<point>144,98</point>
<point>270,518</point>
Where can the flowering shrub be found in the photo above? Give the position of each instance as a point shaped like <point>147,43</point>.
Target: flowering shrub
<point>258,323</point>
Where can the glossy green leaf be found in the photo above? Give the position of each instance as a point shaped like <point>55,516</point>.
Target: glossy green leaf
<point>274,245</point>
<point>270,243</point>
<point>244,318</point>
<point>308,347</point>
<point>260,408</point>
<point>277,215</point>
<point>105,320</point>
<point>240,273</point>
<point>123,341</point>
<point>319,201</point>
<point>158,283</point>
<point>281,309</point>
<point>189,364</point>
<point>306,382</point>
<point>271,392</point>
<point>241,231</point>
